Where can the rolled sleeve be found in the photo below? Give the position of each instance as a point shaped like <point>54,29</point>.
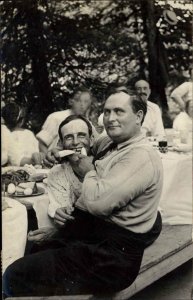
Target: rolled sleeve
<point>49,130</point>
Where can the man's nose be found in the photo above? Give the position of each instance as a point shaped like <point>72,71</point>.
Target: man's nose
<point>112,116</point>
<point>75,140</point>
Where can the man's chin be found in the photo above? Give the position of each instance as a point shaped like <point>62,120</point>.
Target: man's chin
<point>113,132</point>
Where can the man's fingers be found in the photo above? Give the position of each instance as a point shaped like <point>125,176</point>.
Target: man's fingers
<point>47,163</point>
<point>63,215</point>
<point>35,232</point>
<point>36,238</point>
<point>59,223</point>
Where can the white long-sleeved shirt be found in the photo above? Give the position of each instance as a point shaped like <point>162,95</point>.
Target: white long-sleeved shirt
<point>126,186</point>
<point>63,188</point>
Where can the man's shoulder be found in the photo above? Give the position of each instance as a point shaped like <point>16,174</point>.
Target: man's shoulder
<point>58,115</point>
<point>144,151</point>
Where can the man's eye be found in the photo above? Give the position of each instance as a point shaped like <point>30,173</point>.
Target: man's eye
<point>68,138</point>
<point>82,136</point>
<point>106,113</point>
<point>119,111</point>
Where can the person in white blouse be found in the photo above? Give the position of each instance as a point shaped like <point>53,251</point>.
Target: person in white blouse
<point>24,140</point>
<point>183,120</point>
<point>8,150</point>
<point>183,124</point>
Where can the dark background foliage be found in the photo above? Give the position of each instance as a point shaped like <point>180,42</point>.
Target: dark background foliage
<point>50,47</point>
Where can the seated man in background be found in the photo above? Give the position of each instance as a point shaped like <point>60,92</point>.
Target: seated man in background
<point>115,219</point>
<point>80,103</point>
<point>153,124</point>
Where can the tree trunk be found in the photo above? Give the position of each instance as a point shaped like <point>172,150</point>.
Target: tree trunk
<point>37,47</point>
<point>156,59</point>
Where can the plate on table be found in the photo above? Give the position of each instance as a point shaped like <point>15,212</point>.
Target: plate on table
<point>40,191</point>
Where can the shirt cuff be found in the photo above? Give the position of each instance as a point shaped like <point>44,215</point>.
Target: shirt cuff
<point>52,210</point>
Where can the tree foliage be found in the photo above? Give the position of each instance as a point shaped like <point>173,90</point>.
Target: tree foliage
<point>50,47</point>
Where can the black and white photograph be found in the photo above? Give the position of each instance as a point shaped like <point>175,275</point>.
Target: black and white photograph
<point>96,149</point>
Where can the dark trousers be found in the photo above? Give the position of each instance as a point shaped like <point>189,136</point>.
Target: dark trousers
<point>90,255</point>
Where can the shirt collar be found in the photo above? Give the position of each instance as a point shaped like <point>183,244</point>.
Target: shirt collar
<point>138,137</point>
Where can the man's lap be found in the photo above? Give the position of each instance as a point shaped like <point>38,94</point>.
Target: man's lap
<point>90,258</point>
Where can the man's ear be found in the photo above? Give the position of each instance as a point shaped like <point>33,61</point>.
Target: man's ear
<point>139,118</point>
<point>91,141</point>
<point>60,144</point>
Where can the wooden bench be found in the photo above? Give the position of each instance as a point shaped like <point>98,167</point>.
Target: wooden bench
<point>173,248</point>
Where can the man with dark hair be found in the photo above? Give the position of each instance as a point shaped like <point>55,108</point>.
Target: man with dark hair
<point>80,103</point>
<point>64,185</point>
<point>115,219</point>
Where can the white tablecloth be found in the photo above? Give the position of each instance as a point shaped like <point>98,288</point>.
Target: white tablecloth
<point>176,199</point>
<point>14,232</point>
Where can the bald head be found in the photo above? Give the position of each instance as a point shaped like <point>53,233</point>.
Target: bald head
<point>143,89</point>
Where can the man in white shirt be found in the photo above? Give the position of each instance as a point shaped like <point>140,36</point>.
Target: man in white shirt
<point>80,104</point>
<point>64,186</point>
<point>153,124</point>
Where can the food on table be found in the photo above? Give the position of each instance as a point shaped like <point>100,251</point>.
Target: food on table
<point>28,191</point>
<point>38,166</point>
<point>16,182</point>
<point>11,188</point>
<point>14,177</point>
<point>31,185</point>
<point>30,169</point>
<point>45,180</point>
<point>24,188</point>
<point>19,190</point>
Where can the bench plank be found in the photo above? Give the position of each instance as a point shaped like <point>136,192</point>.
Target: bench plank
<point>173,248</point>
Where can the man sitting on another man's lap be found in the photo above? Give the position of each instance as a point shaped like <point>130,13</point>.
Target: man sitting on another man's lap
<point>115,219</point>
